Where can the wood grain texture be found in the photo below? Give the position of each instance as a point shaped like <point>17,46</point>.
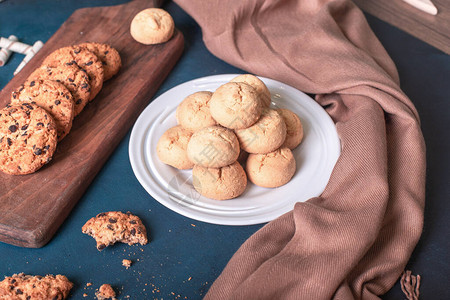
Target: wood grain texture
<point>32,207</point>
<point>434,30</point>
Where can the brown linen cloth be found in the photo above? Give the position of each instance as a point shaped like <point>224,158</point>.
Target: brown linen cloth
<point>355,239</point>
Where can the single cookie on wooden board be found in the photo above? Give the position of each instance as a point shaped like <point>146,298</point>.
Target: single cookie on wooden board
<point>294,128</point>
<point>261,89</point>
<point>110,227</point>
<point>213,147</point>
<point>72,77</point>
<point>28,138</point>
<point>21,286</point>
<point>109,57</point>
<point>172,146</point>
<point>152,26</point>
<point>105,292</point>
<point>271,170</point>
<point>83,58</point>
<point>54,97</point>
<point>193,112</point>
<point>235,105</point>
<point>220,183</point>
<point>266,135</point>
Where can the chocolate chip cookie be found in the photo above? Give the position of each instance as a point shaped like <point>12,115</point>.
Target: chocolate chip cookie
<point>54,97</point>
<point>28,138</point>
<point>110,227</point>
<point>21,286</point>
<point>72,77</point>
<point>85,59</point>
<point>109,57</point>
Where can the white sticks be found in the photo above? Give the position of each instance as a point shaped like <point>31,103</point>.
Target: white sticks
<point>5,52</point>
<point>11,44</point>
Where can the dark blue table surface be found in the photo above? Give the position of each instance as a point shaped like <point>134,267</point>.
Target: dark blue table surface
<point>185,256</point>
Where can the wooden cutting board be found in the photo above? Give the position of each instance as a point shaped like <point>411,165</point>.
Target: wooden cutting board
<point>32,207</point>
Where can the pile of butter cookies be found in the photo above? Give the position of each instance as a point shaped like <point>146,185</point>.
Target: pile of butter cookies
<point>42,109</point>
<point>220,132</point>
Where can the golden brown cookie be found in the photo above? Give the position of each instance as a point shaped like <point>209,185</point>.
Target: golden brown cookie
<point>193,112</point>
<point>83,58</point>
<point>271,170</point>
<point>259,86</point>
<point>54,97</point>
<point>294,128</point>
<point>235,105</point>
<point>213,147</point>
<point>105,292</point>
<point>27,138</point>
<point>110,227</point>
<point>72,77</point>
<point>264,136</point>
<point>152,26</point>
<point>220,183</point>
<point>21,286</point>
<point>109,57</point>
<point>171,148</point>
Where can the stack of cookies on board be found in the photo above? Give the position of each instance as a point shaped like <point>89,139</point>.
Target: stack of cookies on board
<point>218,132</point>
<point>42,109</point>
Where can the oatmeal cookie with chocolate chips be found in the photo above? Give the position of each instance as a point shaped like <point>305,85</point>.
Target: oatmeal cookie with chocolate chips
<point>22,287</point>
<point>109,57</point>
<point>54,97</point>
<point>72,77</point>
<point>28,138</point>
<point>83,58</point>
<point>110,227</point>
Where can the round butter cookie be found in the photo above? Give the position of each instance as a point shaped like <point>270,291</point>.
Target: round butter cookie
<point>235,105</point>
<point>171,148</point>
<point>213,147</point>
<point>83,58</point>
<point>271,170</point>
<point>266,135</point>
<point>294,128</point>
<point>193,112</point>
<point>109,57</point>
<point>223,183</point>
<point>28,138</point>
<point>54,97</point>
<point>72,77</point>
<point>152,26</point>
<point>259,86</point>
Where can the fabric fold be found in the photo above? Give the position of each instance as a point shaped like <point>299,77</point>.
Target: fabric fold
<point>353,241</point>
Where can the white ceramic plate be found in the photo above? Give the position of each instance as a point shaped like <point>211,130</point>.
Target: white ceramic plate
<point>315,157</point>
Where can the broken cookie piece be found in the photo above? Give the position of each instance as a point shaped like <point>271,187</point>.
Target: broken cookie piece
<point>21,286</point>
<point>126,263</point>
<point>105,292</point>
<point>110,227</point>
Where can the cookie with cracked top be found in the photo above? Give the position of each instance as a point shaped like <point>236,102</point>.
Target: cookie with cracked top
<point>108,228</point>
<point>83,58</point>
<point>28,138</point>
<point>72,77</point>
<point>54,97</point>
<point>109,57</point>
<point>21,286</point>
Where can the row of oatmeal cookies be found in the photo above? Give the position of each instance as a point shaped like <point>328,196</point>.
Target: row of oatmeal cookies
<point>42,109</point>
<point>218,132</point>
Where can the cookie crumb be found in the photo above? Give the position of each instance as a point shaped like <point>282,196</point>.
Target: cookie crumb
<point>85,295</point>
<point>105,292</point>
<point>89,284</point>
<point>126,263</point>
